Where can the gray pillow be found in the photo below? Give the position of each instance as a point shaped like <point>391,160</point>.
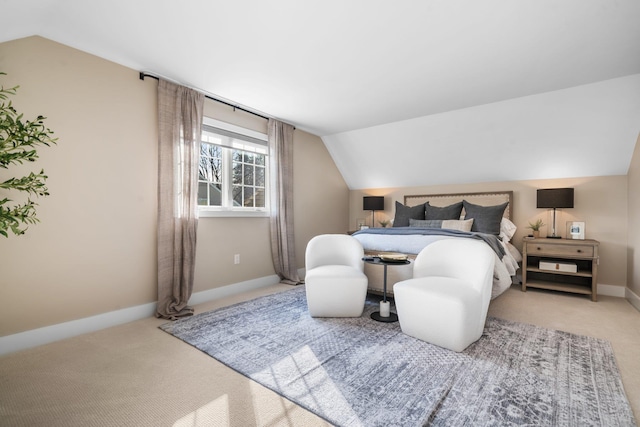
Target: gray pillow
<point>426,223</point>
<point>405,213</point>
<point>448,212</point>
<point>486,219</point>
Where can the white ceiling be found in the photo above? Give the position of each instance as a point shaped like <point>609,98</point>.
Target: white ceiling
<point>375,77</point>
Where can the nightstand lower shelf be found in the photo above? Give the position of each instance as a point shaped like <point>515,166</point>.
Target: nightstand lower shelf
<point>559,273</point>
<point>563,287</point>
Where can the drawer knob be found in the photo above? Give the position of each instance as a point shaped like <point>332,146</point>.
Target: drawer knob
<point>579,250</point>
<point>539,248</point>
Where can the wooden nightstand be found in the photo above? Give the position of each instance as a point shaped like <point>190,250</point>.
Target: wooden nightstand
<point>567,265</point>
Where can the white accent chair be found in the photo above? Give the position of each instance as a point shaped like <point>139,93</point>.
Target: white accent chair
<point>336,285</point>
<point>447,300</point>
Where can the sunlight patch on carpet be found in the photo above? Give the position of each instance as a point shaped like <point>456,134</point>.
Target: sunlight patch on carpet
<point>302,374</point>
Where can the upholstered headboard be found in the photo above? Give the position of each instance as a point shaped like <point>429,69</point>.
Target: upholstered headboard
<point>482,199</point>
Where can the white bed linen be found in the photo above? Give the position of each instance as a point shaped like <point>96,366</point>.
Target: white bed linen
<point>414,243</point>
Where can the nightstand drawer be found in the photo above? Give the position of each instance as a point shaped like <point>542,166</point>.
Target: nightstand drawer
<point>534,248</point>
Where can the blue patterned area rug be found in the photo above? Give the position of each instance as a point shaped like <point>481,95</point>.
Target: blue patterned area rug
<point>359,372</point>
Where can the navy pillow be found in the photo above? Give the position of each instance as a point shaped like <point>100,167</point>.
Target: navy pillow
<point>486,219</point>
<point>405,213</point>
<point>448,212</point>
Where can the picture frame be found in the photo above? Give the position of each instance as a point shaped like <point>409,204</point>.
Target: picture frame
<point>575,230</point>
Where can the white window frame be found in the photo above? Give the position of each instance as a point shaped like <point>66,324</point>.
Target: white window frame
<point>237,211</point>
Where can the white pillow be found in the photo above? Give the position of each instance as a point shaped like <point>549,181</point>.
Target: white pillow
<point>454,224</point>
<point>507,229</point>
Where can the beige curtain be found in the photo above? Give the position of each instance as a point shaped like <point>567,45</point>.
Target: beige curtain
<point>281,170</point>
<point>180,124</point>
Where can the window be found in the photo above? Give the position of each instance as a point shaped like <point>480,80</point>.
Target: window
<point>233,171</point>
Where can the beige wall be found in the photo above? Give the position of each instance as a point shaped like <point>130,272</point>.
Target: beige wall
<point>633,251</point>
<point>599,201</point>
<point>95,248</point>
<point>93,251</point>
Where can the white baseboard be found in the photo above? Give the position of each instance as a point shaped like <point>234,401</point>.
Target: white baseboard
<point>49,334</point>
<point>611,290</point>
<point>633,298</point>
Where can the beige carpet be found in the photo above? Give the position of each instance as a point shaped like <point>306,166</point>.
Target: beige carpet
<point>137,375</point>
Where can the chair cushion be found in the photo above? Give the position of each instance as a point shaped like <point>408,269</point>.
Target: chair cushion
<point>336,291</point>
<point>328,271</point>
<point>426,290</point>
<point>440,310</point>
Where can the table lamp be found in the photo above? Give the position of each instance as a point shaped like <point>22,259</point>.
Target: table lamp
<point>553,198</point>
<point>373,203</point>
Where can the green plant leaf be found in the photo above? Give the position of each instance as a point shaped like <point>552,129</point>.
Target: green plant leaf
<point>19,140</point>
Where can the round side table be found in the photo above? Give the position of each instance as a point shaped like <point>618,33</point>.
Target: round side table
<point>384,315</point>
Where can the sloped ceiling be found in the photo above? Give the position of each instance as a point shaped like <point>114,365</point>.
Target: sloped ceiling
<point>403,93</point>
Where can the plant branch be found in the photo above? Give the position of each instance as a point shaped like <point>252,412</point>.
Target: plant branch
<point>32,184</point>
<point>12,217</point>
<point>18,141</point>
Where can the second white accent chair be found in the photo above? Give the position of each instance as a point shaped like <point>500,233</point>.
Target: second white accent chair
<point>447,300</point>
<point>336,285</point>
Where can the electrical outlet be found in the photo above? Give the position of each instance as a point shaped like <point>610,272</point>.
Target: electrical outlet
<point>236,259</point>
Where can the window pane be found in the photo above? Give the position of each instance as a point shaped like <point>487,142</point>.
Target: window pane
<point>260,159</point>
<point>237,173</point>
<point>216,170</point>
<point>215,194</point>
<point>211,198</point>
<point>259,177</point>
<point>210,169</point>
<point>248,157</point>
<point>248,197</point>
<point>237,156</point>
<point>237,195</point>
<point>210,150</point>
<point>210,166</point>
<point>248,175</point>
<point>203,198</point>
<point>202,168</point>
<point>260,198</point>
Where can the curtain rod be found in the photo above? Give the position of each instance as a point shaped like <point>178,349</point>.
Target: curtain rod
<point>235,107</point>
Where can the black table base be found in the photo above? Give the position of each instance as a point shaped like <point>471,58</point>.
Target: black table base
<point>392,317</point>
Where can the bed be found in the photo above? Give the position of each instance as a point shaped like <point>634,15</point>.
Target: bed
<point>424,219</point>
